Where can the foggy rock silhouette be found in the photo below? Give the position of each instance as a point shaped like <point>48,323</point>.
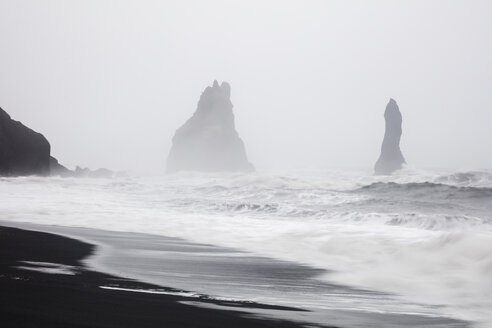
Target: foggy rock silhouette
<point>22,150</point>
<point>391,158</point>
<point>208,141</point>
<point>59,170</point>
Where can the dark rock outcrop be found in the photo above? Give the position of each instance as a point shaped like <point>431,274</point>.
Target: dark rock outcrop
<point>391,158</point>
<point>22,150</point>
<point>59,170</point>
<point>208,141</point>
<point>26,152</point>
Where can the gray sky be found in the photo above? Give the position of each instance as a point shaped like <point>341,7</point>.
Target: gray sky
<point>109,82</point>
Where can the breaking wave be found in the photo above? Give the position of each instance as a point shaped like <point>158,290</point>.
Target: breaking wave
<point>470,178</point>
<point>428,190</point>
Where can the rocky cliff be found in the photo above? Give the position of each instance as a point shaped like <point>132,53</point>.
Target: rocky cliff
<point>208,141</point>
<point>391,158</point>
<point>26,152</point>
<point>22,150</point>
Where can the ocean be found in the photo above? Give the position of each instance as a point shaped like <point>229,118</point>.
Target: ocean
<point>418,242</point>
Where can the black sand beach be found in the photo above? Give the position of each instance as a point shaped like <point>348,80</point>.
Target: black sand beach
<point>53,276</point>
<point>70,295</point>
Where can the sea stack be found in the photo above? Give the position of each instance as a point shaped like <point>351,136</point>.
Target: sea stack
<point>208,141</point>
<point>22,150</point>
<point>391,158</point>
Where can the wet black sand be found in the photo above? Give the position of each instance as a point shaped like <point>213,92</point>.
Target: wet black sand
<point>30,298</point>
<point>127,260</point>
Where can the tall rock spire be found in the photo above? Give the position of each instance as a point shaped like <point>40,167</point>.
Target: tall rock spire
<point>208,141</point>
<point>391,158</point>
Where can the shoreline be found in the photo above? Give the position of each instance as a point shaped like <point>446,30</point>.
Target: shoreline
<point>45,283</point>
<point>116,254</point>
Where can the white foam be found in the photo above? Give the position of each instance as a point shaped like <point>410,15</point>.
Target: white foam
<point>173,293</point>
<point>154,291</point>
<point>49,268</point>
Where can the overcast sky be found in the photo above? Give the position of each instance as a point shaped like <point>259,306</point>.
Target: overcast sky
<point>109,82</point>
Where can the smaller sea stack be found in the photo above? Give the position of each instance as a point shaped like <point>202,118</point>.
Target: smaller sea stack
<point>391,158</point>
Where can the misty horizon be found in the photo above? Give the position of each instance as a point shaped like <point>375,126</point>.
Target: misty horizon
<point>109,83</point>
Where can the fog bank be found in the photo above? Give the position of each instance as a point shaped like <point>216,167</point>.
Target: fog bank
<point>109,82</point>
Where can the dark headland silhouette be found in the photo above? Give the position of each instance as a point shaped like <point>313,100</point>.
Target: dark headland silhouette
<point>391,158</point>
<point>208,141</point>
<point>26,152</point>
<point>22,150</point>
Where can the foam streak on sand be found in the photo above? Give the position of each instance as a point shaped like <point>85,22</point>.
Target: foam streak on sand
<point>421,235</point>
<point>153,291</point>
